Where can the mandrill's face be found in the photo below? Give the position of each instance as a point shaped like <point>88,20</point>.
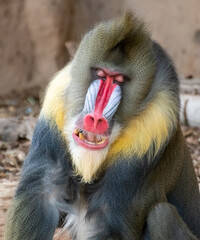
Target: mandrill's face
<point>92,131</point>
<point>93,127</point>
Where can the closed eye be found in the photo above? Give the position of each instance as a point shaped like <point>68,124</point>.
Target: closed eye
<point>118,83</point>
<point>100,73</point>
<point>119,80</point>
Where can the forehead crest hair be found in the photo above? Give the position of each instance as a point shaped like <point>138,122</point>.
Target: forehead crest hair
<point>121,40</point>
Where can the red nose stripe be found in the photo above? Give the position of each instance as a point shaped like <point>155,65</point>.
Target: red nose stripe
<point>105,91</point>
<point>95,122</point>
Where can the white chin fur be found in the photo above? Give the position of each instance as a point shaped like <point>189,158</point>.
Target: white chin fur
<point>85,161</point>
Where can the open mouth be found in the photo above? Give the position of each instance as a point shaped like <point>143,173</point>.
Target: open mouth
<point>90,140</point>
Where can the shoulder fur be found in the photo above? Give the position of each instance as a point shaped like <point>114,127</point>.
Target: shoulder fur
<point>146,133</point>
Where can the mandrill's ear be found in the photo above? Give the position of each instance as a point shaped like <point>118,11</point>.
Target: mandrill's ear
<point>71,47</point>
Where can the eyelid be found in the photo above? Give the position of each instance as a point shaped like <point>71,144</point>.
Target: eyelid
<point>100,73</point>
<point>119,78</point>
<point>118,83</point>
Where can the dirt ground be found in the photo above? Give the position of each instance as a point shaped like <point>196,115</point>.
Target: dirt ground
<point>18,117</point>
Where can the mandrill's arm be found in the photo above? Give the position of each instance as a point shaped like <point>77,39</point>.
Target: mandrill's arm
<point>165,223</point>
<point>34,213</point>
<point>31,216</point>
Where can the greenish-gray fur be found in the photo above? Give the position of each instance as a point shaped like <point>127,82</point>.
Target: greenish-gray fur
<point>20,221</point>
<point>165,212</point>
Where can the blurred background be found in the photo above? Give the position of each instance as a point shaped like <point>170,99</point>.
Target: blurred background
<point>37,38</point>
<point>33,34</point>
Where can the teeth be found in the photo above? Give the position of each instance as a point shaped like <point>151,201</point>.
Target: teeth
<point>102,141</point>
<point>81,136</point>
<point>92,143</point>
<point>90,139</point>
<point>99,139</point>
<point>76,131</point>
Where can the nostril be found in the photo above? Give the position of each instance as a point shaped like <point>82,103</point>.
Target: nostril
<point>95,123</point>
<point>91,118</point>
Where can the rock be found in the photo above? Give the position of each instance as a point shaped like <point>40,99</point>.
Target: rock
<point>26,128</point>
<point>13,128</point>
<point>8,129</point>
<point>190,110</point>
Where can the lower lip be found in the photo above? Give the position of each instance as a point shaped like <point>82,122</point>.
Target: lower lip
<point>90,146</point>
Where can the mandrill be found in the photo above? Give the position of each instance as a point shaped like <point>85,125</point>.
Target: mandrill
<point>107,150</point>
